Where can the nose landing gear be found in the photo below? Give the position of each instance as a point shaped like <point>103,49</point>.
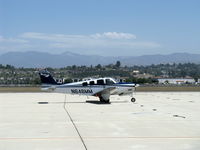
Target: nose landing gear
<point>133,99</point>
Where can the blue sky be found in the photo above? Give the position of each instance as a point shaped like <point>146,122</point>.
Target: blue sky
<point>100,27</point>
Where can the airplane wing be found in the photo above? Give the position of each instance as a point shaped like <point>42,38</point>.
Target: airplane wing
<point>104,91</point>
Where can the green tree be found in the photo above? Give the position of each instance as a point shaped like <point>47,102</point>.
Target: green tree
<point>98,66</point>
<point>118,64</point>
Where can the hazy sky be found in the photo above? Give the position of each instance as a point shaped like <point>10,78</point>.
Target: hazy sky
<point>103,27</point>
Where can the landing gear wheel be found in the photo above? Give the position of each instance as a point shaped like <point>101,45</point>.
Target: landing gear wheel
<point>103,100</point>
<point>133,99</point>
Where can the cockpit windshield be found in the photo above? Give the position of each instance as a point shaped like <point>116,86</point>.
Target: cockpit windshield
<point>109,82</point>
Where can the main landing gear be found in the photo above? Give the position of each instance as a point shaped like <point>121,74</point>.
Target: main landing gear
<point>104,100</point>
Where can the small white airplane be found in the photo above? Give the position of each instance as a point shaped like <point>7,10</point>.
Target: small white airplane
<point>101,87</point>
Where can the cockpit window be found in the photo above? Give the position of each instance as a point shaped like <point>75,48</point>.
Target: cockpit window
<point>100,82</point>
<point>109,82</point>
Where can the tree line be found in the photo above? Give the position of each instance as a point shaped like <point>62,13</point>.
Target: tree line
<point>19,75</point>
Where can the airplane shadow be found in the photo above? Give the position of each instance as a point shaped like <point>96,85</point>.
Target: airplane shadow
<point>101,103</point>
<point>96,102</point>
<point>91,102</point>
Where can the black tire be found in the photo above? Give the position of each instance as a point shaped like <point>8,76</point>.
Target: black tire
<point>133,99</point>
<point>103,100</point>
<point>107,101</point>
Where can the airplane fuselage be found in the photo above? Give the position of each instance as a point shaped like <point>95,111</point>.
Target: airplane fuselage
<point>101,87</point>
<point>120,89</point>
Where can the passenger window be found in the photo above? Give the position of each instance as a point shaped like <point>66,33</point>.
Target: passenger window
<point>109,82</point>
<point>85,83</point>
<point>91,82</point>
<point>100,82</point>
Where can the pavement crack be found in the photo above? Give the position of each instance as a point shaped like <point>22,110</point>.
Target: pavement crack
<point>81,138</point>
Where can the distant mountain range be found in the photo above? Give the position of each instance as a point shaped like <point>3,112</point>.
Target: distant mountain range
<point>41,59</point>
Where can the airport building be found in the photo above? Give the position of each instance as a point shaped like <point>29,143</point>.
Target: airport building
<point>198,81</point>
<point>176,80</point>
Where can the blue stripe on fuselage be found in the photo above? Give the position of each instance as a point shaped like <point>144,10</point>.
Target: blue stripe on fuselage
<point>97,86</point>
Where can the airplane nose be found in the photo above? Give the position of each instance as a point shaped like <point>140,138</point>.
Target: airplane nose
<point>137,85</point>
<point>132,85</point>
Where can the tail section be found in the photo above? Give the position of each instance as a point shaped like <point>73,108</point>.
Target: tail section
<point>46,78</point>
